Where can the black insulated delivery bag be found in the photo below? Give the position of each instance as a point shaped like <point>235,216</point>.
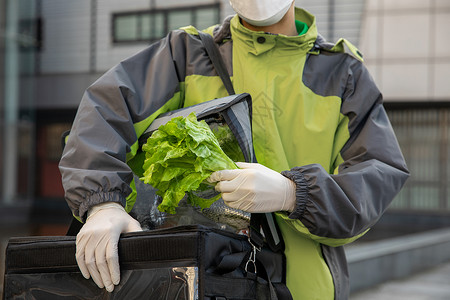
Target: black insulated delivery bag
<point>182,263</point>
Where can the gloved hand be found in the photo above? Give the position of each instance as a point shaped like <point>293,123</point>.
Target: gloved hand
<point>97,254</point>
<point>255,188</point>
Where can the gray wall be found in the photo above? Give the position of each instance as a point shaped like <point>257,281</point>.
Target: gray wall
<point>336,18</point>
<point>406,47</point>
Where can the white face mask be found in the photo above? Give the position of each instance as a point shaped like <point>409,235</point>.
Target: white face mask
<point>261,12</point>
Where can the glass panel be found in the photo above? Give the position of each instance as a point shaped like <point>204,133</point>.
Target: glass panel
<point>179,19</point>
<point>401,201</point>
<point>27,62</point>
<point>424,162</point>
<point>206,17</point>
<point>126,28</point>
<point>424,198</point>
<point>17,157</point>
<point>178,283</point>
<point>423,136</point>
<point>152,26</point>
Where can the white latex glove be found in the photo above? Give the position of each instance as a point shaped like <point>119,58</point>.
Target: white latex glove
<point>97,255</point>
<point>255,188</point>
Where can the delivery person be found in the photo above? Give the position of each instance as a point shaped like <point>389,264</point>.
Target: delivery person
<point>329,162</point>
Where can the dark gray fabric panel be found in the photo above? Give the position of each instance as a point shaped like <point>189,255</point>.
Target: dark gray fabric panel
<point>222,36</point>
<point>374,170</point>
<point>326,74</point>
<point>337,262</point>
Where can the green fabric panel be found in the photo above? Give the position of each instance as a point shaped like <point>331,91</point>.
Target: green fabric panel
<point>78,218</point>
<point>203,88</point>
<point>190,29</point>
<point>210,29</point>
<point>131,199</point>
<point>315,283</point>
<point>288,131</point>
<point>298,227</point>
<point>136,163</point>
<point>194,31</point>
<point>344,46</point>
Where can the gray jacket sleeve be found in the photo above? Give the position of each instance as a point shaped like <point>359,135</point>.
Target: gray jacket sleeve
<point>346,204</point>
<point>93,165</point>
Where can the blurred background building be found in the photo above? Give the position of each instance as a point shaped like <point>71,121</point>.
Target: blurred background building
<point>52,50</point>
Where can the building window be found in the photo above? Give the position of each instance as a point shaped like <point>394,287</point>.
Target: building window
<point>422,129</point>
<point>152,25</point>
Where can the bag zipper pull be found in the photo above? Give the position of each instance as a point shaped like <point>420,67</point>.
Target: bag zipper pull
<point>252,258</point>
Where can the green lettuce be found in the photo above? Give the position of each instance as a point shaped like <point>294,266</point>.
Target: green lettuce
<point>179,156</point>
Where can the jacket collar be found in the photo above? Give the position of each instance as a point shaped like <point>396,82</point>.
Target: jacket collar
<point>252,40</point>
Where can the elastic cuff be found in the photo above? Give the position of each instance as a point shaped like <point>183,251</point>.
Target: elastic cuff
<point>301,193</point>
<point>96,208</point>
<point>97,198</point>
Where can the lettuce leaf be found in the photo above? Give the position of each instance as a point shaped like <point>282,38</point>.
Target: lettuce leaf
<point>227,141</point>
<point>179,156</point>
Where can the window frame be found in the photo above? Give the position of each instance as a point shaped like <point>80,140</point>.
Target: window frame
<point>165,12</point>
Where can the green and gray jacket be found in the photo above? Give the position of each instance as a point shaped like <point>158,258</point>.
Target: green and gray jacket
<point>317,118</point>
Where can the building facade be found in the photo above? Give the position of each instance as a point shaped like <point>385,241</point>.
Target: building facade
<point>406,47</point>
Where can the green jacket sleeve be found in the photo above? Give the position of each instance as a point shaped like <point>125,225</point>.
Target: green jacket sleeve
<point>109,120</point>
<point>335,209</point>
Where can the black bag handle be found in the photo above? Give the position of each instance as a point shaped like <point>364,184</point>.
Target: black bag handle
<point>216,58</point>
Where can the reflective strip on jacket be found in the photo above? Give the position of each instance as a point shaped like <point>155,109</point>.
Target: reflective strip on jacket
<point>317,118</point>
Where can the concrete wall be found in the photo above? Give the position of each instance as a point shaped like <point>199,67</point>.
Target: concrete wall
<point>406,47</point>
<point>336,18</point>
<point>66,29</point>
